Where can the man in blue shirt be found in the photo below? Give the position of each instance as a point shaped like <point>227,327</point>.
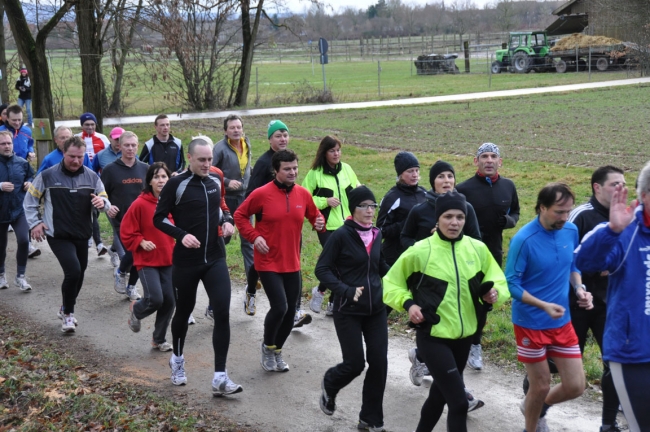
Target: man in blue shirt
<point>22,135</point>
<point>539,267</point>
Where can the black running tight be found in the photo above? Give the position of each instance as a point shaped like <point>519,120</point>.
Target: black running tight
<point>446,360</point>
<point>216,280</point>
<point>282,290</point>
<point>73,257</point>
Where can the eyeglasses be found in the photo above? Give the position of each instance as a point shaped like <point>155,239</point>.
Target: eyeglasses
<point>367,206</point>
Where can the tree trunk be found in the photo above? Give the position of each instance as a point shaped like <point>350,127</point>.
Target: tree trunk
<point>32,53</point>
<point>4,89</point>
<point>249,34</point>
<point>91,51</point>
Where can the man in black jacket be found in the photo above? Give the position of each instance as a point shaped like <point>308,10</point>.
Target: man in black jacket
<point>603,182</point>
<point>495,201</point>
<point>164,147</point>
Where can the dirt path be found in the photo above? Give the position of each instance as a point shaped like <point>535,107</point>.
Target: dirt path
<point>270,401</point>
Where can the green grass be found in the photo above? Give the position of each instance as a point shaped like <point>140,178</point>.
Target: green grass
<point>543,138</point>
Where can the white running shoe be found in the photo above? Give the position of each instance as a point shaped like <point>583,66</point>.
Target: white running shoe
<point>134,323</point>
<point>191,320</point>
<point>330,309</point>
<point>165,346</point>
<point>316,302</point>
<point>472,402</point>
<point>120,282</point>
<point>475,360</point>
<point>101,249</point>
<point>21,283</point>
<point>178,372</point>
<point>60,315</point>
<point>209,313</point>
<point>268,359</point>
<point>132,292</point>
<point>3,281</point>
<point>416,373</point>
<point>115,258</point>
<point>225,386</point>
<point>33,251</point>
<point>301,318</point>
<point>249,304</point>
<point>69,325</point>
<point>280,364</point>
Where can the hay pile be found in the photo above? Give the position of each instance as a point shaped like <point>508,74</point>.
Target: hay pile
<point>583,41</point>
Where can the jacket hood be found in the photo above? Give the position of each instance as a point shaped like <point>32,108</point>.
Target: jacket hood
<point>148,196</point>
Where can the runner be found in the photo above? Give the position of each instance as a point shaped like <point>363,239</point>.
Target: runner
<point>539,268</point>
<point>280,208</point>
<point>152,257</point>
<point>622,248</point>
<point>69,192</point>
<point>16,175</point>
<point>123,181</point>
<point>329,181</point>
<point>195,199</point>
<point>351,266</point>
<point>441,281</point>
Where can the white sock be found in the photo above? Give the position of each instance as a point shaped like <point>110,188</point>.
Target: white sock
<point>220,375</point>
<point>177,359</point>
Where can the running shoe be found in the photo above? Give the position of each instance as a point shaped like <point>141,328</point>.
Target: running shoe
<point>473,403</point>
<point>249,303</point>
<point>120,282</point>
<point>268,359</point>
<point>3,281</point>
<point>475,360</point>
<point>612,428</point>
<point>258,285</point>
<point>330,309</point>
<point>225,386</point>
<point>60,315</point>
<point>191,320</point>
<point>327,403</point>
<point>33,251</point>
<point>416,373</point>
<point>115,258</point>
<point>21,283</point>
<point>134,323</point>
<point>101,249</point>
<point>69,325</point>
<point>209,313</point>
<point>541,425</point>
<point>132,292</point>
<point>365,426</point>
<point>165,346</point>
<point>316,301</point>
<point>301,318</point>
<point>178,372</point>
<point>280,364</point>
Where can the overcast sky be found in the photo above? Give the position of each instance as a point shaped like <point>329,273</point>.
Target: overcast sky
<point>297,6</point>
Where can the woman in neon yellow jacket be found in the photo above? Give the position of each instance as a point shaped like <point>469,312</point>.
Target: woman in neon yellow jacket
<point>441,281</point>
<point>329,181</point>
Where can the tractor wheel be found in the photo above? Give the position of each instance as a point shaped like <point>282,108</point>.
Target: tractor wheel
<point>560,66</point>
<point>496,67</point>
<point>521,62</point>
<point>601,64</point>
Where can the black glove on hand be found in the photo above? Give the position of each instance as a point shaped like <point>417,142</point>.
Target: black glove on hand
<point>485,288</point>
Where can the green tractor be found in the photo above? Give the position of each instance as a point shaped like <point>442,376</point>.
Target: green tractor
<point>525,51</point>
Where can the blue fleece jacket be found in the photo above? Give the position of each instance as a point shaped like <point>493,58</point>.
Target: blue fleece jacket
<point>540,261</point>
<point>627,258</point>
<point>55,157</point>
<point>23,141</point>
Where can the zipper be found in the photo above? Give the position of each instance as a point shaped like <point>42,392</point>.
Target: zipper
<point>286,194</point>
<point>338,187</point>
<point>368,278</point>
<point>207,225</point>
<point>460,316</point>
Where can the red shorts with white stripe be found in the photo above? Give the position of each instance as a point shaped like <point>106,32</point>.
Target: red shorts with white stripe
<point>535,345</point>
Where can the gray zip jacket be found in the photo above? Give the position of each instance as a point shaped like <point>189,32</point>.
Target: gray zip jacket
<point>225,158</point>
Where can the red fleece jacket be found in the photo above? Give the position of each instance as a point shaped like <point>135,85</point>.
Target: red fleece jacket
<point>137,225</point>
<point>279,217</point>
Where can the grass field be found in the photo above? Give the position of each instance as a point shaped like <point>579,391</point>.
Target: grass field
<point>544,138</point>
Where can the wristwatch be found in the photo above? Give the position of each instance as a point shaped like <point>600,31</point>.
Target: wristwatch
<point>575,287</point>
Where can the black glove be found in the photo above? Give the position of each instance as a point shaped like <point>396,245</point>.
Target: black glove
<point>502,220</point>
<point>485,288</point>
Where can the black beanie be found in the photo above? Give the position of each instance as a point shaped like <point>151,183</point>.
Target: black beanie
<point>357,195</point>
<point>437,168</point>
<point>450,201</point>
<point>405,160</point>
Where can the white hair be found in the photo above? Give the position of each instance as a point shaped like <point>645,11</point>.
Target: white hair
<point>643,181</point>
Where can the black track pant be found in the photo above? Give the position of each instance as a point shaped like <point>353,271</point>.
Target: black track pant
<point>322,239</point>
<point>126,260</point>
<point>282,290</point>
<point>158,297</point>
<point>216,280</point>
<point>73,258</point>
<point>21,230</point>
<point>352,330</point>
<point>594,319</point>
<point>632,383</point>
<point>446,359</point>
<point>97,235</point>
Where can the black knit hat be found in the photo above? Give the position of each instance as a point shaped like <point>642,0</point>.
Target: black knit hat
<point>437,168</point>
<point>405,160</point>
<point>450,201</point>
<point>357,195</point>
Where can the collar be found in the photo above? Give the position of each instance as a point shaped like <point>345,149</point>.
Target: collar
<point>407,188</point>
<point>646,218</point>
<point>489,180</point>
<point>599,207</point>
<point>349,221</point>
<point>444,238</point>
<point>282,186</point>
<point>71,173</point>
<point>327,169</point>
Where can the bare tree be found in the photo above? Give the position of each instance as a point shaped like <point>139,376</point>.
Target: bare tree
<point>505,15</point>
<point>249,35</point>
<point>4,90</point>
<point>32,52</point>
<point>463,16</point>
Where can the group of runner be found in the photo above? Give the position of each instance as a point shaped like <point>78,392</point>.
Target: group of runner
<point>435,254</point>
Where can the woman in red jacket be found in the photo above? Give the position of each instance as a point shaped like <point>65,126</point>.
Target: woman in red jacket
<point>152,257</point>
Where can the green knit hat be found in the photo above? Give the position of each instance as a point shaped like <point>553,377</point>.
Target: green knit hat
<point>276,125</point>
